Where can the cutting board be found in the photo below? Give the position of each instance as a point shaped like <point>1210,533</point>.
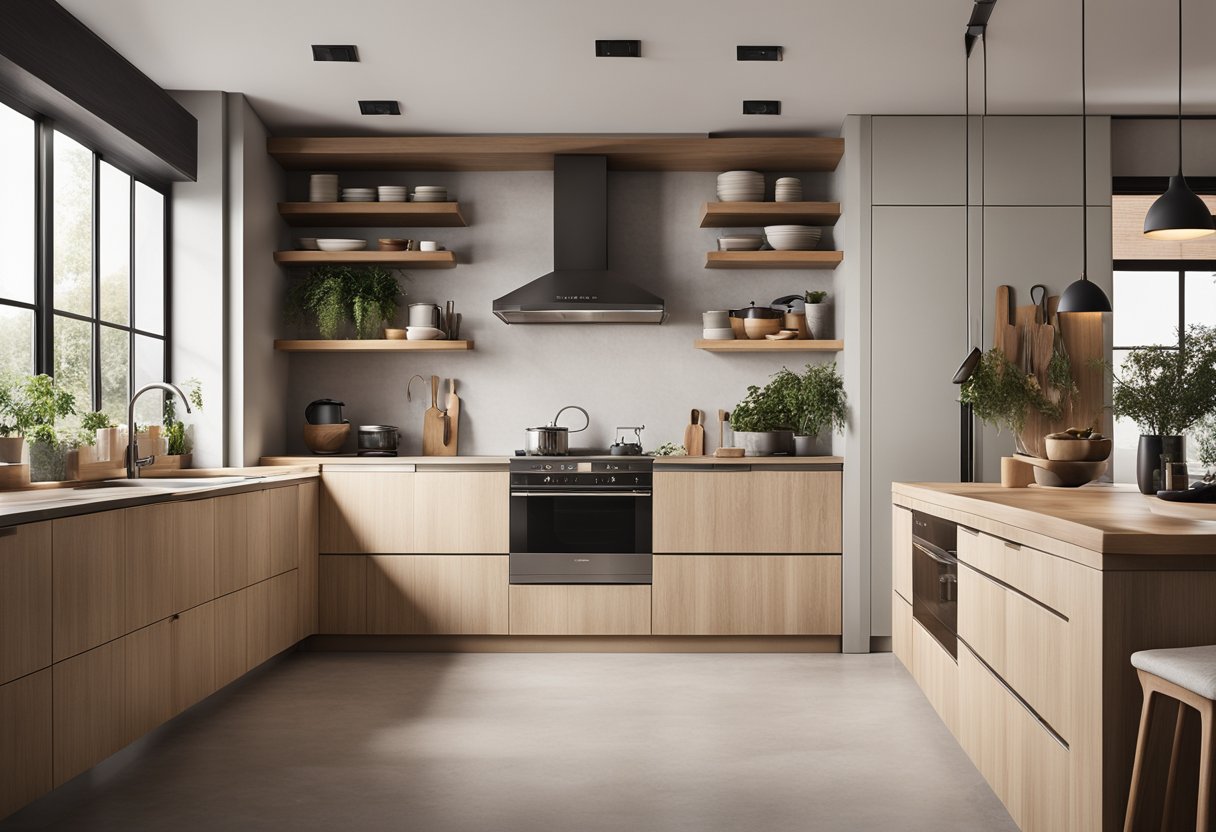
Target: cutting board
<point>450,448</point>
<point>434,425</point>
<point>694,435</point>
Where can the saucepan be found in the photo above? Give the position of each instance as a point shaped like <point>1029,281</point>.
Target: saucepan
<point>551,439</point>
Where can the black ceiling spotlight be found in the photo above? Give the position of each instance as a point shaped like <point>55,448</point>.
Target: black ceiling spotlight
<point>976,26</point>
<point>618,49</point>
<point>380,108</point>
<point>346,53</point>
<point>761,108</point>
<point>757,53</point>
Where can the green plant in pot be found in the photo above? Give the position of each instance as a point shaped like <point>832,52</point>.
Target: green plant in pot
<point>11,440</point>
<point>95,436</point>
<point>332,297</point>
<point>818,314</point>
<point>1001,394</point>
<point>759,422</point>
<point>813,401</point>
<point>178,437</point>
<point>1165,392</point>
<point>35,406</point>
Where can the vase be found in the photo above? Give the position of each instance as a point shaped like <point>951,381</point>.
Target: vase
<point>48,462</point>
<point>1149,455</point>
<point>819,320</point>
<point>10,449</point>
<point>807,445</point>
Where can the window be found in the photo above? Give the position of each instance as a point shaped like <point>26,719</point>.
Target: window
<point>93,314</point>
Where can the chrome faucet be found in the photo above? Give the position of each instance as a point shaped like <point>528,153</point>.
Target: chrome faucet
<point>134,461</point>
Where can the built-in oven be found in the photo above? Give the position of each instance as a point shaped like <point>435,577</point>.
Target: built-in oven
<point>935,578</point>
<point>580,521</point>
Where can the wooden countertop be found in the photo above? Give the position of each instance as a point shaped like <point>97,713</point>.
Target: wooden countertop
<point>1103,526</point>
<point>353,459</point>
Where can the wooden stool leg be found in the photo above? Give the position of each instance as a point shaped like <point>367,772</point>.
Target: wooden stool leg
<point>1172,777</point>
<point>1146,719</point>
<point>1202,816</point>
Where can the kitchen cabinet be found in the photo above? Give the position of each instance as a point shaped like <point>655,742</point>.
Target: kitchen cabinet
<point>148,693</point>
<point>88,579</point>
<point>367,512</point>
<point>232,542</point>
<point>461,511</point>
<point>735,512</point>
<point>193,550</point>
<point>734,595</point>
<point>284,506</point>
<point>936,671</point>
<point>579,610</point>
<point>194,651</point>
<point>258,564</point>
<point>89,696</point>
<point>25,601</point>
<point>342,594</point>
<point>901,551</point>
<point>437,594</point>
<point>231,637</point>
<point>901,629</point>
<point>26,771</point>
<point>273,616</point>
<point>149,565</point>
<point>306,536</point>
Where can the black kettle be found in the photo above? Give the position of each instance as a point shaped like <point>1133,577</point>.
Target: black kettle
<point>324,412</point>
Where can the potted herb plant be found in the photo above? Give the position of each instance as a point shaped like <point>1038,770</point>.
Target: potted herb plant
<point>814,400</point>
<point>758,422</point>
<point>330,297</point>
<point>35,407</point>
<point>818,314</point>
<point>11,440</point>
<point>95,437</point>
<point>1165,392</point>
<point>179,441</point>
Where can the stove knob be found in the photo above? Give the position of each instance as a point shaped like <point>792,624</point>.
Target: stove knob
<point>548,479</point>
<point>612,479</point>
<point>548,467</point>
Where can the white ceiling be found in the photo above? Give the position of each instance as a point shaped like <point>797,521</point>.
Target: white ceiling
<point>528,66</point>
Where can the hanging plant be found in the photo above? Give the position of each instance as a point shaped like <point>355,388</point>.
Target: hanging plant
<point>331,296</point>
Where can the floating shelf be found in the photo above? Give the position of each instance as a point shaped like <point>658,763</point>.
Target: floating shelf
<point>372,214</point>
<point>696,152</point>
<point>773,259</point>
<point>740,345</point>
<point>373,345</point>
<point>756,214</point>
<point>393,259</point>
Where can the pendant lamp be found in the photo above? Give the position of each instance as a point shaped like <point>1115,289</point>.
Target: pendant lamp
<point>1178,214</point>
<point>1084,295</point>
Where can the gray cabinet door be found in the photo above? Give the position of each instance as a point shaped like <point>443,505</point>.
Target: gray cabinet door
<point>918,160</point>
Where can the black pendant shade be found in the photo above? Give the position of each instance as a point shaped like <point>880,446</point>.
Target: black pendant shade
<point>1178,214</point>
<point>1084,296</point>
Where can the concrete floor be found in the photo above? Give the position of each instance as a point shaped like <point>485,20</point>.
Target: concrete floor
<point>538,742</point>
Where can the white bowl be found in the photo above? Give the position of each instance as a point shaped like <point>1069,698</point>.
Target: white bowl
<point>740,243</point>
<point>423,333</point>
<point>725,334</point>
<point>341,245</point>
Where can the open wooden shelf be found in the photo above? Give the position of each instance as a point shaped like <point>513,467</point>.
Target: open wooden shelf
<point>372,214</point>
<point>535,152</point>
<point>773,259</point>
<point>392,259</point>
<point>740,345</point>
<point>370,345</point>
<point>756,214</point>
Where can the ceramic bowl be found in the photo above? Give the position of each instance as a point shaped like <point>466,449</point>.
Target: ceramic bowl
<point>1078,450</point>
<point>1061,474</point>
<point>326,439</point>
<point>341,245</point>
<point>718,334</point>
<point>394,334</point>
<point>757,328</point>
<point>424,333</point>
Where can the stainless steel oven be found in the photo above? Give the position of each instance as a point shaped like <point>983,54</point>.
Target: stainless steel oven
<point>581,521</point>
<point>935,578</point>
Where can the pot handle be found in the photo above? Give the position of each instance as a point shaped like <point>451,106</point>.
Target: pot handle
<point>586,423</point>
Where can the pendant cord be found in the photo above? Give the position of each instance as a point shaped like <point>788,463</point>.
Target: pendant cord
<point>1085,159</point>
<point>1180,87</point>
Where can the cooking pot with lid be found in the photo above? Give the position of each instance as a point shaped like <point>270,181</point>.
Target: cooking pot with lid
<point>552,439</point>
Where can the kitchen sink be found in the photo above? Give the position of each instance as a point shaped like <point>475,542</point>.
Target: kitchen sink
<point>167,483</point>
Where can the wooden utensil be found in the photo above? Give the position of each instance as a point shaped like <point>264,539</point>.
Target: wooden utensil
<point>1004,335</point>
<point>694,435</point>
<point>451,445</point>
<point>722,428</point>
<point>434,424</point>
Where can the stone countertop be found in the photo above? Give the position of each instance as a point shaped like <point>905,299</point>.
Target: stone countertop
<point>1104,526</point>
<point>71,499</point>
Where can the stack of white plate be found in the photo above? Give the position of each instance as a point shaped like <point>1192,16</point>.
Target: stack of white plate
<point>392,193</point>
<point>792,237</point>
<point>788,189</point>
<point>430,193</point>
<point>323,187</point>
<point>740,242</point>
<point>358,194</point>
<point>741,186</point>
<point>337,244</point>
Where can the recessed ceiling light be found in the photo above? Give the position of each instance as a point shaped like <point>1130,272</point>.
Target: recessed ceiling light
<point>761,108</point>
<point>757,53</point>
<point>618,49</point>
<point>346,53</point>
<point>380,108</point>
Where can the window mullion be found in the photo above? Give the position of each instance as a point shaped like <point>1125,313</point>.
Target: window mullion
<point>131,231</point>
<point>44,288</point>
<point>96,277</point>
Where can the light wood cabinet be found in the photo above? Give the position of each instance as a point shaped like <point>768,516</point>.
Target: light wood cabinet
<point>148,657</point>
<point>149,565</point>
<point>901,551</point>
<point>89,693</point>
<point>88,574</point>
<point>26,770</point>
<point>306,537</point>
<point>901,629</point>
<point>461,512</point>
<point>734,595</point>
<point>437,594</point>
<point>367,512</point>
<point>194,649</point>
<point>232,542</point>
<point>284,504</point>
<point>342,594</point>
<point>231,637</point>
<point>258,551</point>
<point>937,674</point>
<point>25,601</point>
<point>764,512</point>
<point>539,610</point>
<point>273,616</point>
<point>193,553</point>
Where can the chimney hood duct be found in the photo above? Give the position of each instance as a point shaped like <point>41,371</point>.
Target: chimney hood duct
<point>580,289</point>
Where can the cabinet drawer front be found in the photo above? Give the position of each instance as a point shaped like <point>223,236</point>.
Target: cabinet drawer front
<point>1044,577</point>
<point>901,629</point>
<point>342,594</point>
<point>88,575</point>
<point>25,741</point>
<point>580,610</point>
<point>25,600</point>
<point>937,675</point>
<point>1026,766</point>
<point>367,512</point>
<point>437,594</point>
<point>739,595</point>
<point>463,512</point>
<point>747,511</point>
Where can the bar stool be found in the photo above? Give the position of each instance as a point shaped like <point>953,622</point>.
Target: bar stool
<point>1188,675</point>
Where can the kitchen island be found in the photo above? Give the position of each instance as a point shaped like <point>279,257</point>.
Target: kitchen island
<point>1052,592</point>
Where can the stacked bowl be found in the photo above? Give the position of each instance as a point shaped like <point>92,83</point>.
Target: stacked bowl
<point>740,242</point>
<point>788,189</point>
<point>358,194</point>
<point>323,187</point>
<point>741,186</point>
<point>392,193</point>
<point>792,237</point>
<point>430,193</point>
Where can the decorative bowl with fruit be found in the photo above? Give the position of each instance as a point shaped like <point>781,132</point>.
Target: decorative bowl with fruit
<point>1077,445</point>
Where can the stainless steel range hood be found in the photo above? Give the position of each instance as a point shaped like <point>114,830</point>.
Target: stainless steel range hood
<point>580,289</point>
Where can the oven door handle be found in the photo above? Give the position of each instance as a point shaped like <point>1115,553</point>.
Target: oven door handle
<point>580,493</point>
<point>937,553</point>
